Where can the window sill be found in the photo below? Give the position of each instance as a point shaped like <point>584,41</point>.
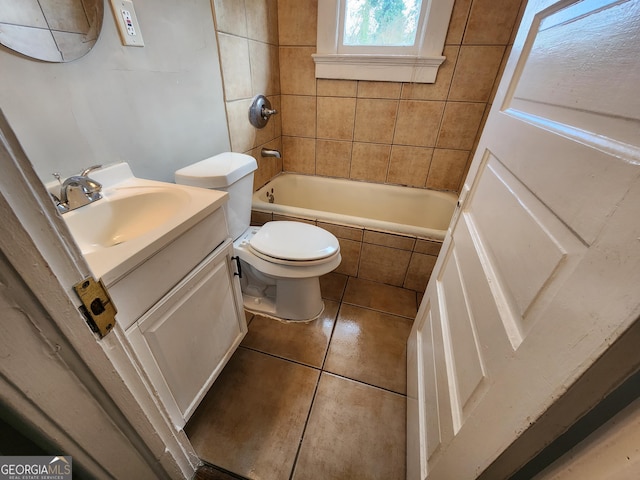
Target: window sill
<point>385,68</point>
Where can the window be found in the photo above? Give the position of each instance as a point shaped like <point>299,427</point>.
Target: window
<point>387,40</point>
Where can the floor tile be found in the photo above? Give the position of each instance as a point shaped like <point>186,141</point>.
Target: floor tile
<point>355,431</point>
<point>332,286</point>
<point>301,342</point>
<point>370,347</point>
<point>251,421</point>
<point>386,298</point>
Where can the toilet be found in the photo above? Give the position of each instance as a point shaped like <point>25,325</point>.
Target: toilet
<point>282,261</point>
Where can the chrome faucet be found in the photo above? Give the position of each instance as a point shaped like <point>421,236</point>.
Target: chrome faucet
<point>266,152</point>
<point>78,191</point>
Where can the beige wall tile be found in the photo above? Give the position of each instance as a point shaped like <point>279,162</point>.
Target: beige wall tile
<point>370,161</point>
<point>297,22</point>
<point>409,165</point>
<point>276,119</point>
<point>298,116</point>
<point>260,218</point>
<point>447,168</point>
<point>265,70</point>
<point>375,120</point>
<point>333,158</point>
<point>418,123</point>
<point>236,70</point>
<point>350,252</point>
<point>491,22</point>
<point>257,20</point>
<point>427,247</point>
<point>291,218</point>
<point>260,176</point>
<point>268,167</point>
<point>336,117</point>
<point>383,264</point>
<point>241,133</point>
<point>419,271</point>
<point>262,20</point>
<point>297,71</point>
<point>336,88</point>
<point>342,231</point>
<point>379,89</point>
<point>440,89</point>
<point>460,124</point>
<point>389,240</point>
<point>299,155</point>
<point>476,72</point>
<point>458,22</point>
<point>230,17</point>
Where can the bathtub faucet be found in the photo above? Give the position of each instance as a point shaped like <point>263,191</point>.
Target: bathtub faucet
<point>266,152</point>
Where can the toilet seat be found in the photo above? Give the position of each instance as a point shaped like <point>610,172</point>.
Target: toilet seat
<point>293,243</point>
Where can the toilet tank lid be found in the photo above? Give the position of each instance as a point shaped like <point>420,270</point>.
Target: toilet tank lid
<point>218,171</point>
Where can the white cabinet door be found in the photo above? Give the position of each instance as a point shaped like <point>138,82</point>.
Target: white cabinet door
<point>540,270</point>
<point>185,340</point>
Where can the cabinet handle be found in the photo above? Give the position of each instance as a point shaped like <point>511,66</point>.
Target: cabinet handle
<point>239,272</point>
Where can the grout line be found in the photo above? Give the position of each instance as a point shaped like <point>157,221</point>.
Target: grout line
<point>315,392</point>
<point>365,383</point>
<point>380,311</point>
<point>273,355</point>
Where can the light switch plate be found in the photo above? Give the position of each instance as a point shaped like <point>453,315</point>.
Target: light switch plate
<point>128,27</point>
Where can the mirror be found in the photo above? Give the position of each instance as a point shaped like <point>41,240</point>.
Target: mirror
<point>51,30</point>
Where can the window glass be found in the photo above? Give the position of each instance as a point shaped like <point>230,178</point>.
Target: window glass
<point>381,22</point>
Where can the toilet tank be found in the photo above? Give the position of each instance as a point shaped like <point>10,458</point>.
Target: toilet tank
<point>232,173</point>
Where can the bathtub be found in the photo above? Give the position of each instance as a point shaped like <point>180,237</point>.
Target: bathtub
<point>389,208</point>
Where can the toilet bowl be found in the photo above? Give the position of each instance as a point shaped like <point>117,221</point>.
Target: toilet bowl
<point>280,262</point>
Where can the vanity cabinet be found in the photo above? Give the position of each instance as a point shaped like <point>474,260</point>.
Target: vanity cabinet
<point>187,337</point>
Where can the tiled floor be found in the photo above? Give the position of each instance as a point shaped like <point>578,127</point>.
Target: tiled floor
<point>324,400</point>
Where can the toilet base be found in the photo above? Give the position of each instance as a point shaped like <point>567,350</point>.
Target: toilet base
<point>289,300</point>
<point>265,309</point>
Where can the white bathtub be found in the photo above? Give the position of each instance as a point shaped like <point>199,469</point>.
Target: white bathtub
<point>410,211</point>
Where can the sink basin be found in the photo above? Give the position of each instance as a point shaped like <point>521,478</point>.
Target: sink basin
<point>134,219</point>
<point>124,215</point>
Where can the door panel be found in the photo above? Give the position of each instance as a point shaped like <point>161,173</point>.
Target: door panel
<point>525,250</point>
<point>539,271</point>
<point>465,371</point>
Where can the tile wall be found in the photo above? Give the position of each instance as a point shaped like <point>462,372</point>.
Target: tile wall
<point>248,41</point>
<point>420,135</point>
<point>398,260</point>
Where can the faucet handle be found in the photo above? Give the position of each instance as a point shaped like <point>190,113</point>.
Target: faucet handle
<point>86,171</point>
<point>267,112</point>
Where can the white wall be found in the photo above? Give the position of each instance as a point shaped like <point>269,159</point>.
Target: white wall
<point>159,107</point>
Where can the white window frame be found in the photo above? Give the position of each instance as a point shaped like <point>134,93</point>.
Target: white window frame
<point>386,64</point>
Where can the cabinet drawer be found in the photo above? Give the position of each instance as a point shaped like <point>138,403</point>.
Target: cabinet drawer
<point>143,286</point>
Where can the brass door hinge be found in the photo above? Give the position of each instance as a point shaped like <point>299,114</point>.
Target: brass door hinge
<point>97,306</point>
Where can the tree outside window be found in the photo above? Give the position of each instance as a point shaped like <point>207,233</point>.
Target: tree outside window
<point>381,22</point>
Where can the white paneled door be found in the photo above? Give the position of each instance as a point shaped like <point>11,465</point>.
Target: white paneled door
<point>540,270</point>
